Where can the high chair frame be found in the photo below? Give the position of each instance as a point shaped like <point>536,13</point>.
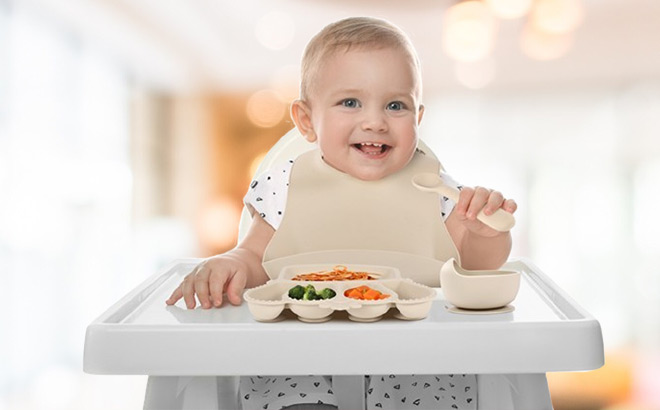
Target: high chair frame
<point>192,357</point>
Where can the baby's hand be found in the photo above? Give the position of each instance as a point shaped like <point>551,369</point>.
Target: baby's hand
<point>472,200</point>
<point>209,280</point>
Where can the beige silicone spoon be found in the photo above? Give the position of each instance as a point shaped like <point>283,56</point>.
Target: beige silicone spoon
<point>500,220</point>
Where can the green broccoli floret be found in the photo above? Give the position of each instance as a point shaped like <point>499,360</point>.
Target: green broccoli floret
<point>310,293</point>
<point>327,293</point>
<point>297,292</point>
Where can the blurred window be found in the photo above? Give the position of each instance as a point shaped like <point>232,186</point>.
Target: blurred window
<point>65,201</point>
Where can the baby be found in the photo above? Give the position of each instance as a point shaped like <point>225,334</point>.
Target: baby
<point>360,103</point>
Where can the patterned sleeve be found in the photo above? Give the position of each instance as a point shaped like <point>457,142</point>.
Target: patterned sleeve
<point>267,193</point>
<point>446,204</point>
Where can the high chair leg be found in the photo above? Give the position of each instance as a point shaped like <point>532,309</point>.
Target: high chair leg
<point>513,391</point>
<point>187,392</point>
<point>349,391</point>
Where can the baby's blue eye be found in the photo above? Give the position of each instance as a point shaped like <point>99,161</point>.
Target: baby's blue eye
<point>350,103</point>
<point>395,106</point>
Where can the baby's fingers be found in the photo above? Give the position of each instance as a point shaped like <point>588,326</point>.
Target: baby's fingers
<point>216,287</point>
<point>176,295</point>
<point>464,199</point>
<point>188,289</point>
<point>235,288</point>
<point>495,201</point>
<point>202,289</point>
<point>183,291</point>
<point>510,206</point>
<point>478,201</point>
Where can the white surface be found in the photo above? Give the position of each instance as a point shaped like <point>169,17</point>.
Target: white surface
<point>547,331</point>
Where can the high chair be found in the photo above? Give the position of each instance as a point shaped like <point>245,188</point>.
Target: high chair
<point>192,357</point>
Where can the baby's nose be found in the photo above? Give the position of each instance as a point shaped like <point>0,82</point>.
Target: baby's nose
<point>374,121</point>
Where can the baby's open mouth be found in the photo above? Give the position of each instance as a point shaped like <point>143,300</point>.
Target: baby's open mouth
<point>371,148</point>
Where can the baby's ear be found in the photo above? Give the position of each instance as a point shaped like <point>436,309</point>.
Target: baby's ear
<point>420,114</point>
<point>302,117</point>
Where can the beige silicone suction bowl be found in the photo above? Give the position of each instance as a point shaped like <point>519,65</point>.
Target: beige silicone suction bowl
<point>478,289</point>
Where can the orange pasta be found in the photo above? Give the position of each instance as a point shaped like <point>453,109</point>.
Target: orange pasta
<point>339,272</point>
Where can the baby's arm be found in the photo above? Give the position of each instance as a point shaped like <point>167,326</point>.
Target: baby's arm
<point>480,246</point>
<point>230,272</point>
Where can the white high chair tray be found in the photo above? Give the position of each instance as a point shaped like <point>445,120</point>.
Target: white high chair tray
<point>547,331</point>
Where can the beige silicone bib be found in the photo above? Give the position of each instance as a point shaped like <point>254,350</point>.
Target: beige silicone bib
<point>334,218</point>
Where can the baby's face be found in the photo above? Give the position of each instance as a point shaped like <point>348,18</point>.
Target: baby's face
<point>365,111</point>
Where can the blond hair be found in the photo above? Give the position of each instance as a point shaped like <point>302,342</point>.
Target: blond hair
<point>358,32</point>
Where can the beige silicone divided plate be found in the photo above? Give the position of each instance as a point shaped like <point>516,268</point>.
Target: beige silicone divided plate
<point>412,300</point>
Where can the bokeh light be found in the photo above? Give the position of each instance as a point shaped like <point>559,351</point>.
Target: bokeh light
<point>542,45</point>
<point>217,223</point>
<point>265,108</point>
<point>509,9</point>
<point>557,16</point>
<point>469,31</point>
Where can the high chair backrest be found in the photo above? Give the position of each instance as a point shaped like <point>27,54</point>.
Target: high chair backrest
<point>288,147</point>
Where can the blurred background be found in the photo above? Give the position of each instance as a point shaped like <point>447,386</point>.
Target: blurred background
<point>130,130</point>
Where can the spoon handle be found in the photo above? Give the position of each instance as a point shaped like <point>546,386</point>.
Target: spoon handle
<point>500,220</point>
